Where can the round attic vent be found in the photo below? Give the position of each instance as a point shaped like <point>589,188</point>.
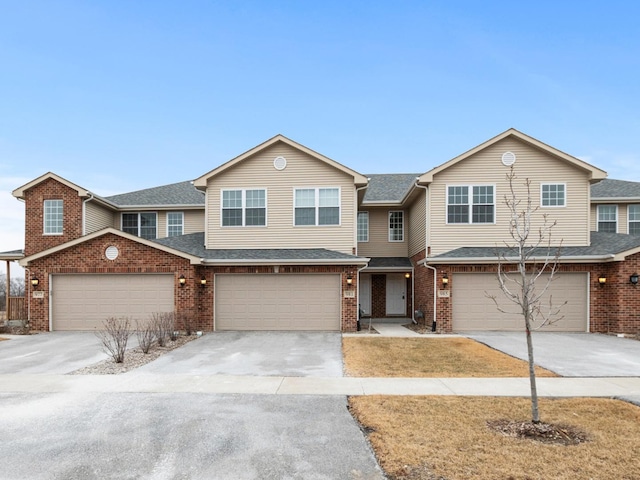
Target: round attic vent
<point>279,163</point>
<point>111,252</point>
<point>508,158</point>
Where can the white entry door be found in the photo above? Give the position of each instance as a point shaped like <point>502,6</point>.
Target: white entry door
<point>396,294</point>
<point>365,294</point>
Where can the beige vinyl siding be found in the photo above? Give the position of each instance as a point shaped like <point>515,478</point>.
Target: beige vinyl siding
<point>97,217</point>
<point>302,171</point>
<point>379,244</point>
<point>593,223</point>
<point>193,221</point>
<point>417,224</point>
<point>486,168</point>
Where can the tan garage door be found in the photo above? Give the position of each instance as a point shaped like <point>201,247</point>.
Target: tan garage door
<point>83,302</point>
<point>472,310</point>
<point>277,302</point>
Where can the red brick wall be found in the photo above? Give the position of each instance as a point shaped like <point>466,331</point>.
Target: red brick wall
<point>378,296</point>
<point>34,198</point>
<point>191,300</point>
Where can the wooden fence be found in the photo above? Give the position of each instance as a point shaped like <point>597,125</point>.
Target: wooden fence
<point>17,308</point>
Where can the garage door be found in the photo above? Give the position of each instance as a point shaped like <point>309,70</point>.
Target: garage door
<point>472,310</point>
<point>83,302</point>
<point>277,302</point>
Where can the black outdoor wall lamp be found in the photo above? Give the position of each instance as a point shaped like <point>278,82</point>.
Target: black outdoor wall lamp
<point>34,282</point>
<point>349,279</point>
<point>602,280</point>
<point>182,281</point>
<point>445,280</point>
<point>203,282</point>
<point>634,279</point>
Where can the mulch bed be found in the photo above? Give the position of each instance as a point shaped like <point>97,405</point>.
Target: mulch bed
<point>540,432</point>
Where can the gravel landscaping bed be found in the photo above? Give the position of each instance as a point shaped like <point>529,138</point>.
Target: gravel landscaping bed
<point>133,358</point>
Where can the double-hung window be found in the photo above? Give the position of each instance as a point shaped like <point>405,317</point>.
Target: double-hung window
<point>470,204</point>
<point>53,217</point>
<point>244,208</point>
<point>396,226</point>
<point>316,206</point>
<point>634,219</point>
<point>363,226</point>
<point>608,218</point>
<point>175,224</point>
<point>553,194</point>
<point>143,224</point>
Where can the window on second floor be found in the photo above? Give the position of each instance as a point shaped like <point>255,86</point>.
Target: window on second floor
<point>477,207</point>
<point>244,208</point>
<point>634,219</point>
<point>553,195</point>
<point>175,224</point>
<point>53,217</point>
<point>143,224</point>
<point>608,218</point>
<point>396,226</point>
<point>363,226</point>
<point>316,206</point>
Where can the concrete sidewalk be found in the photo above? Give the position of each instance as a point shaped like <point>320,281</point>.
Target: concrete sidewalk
<point>278,385</point>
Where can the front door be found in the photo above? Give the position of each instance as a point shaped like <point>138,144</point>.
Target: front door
<point>365,294</point>
<point>396,302</point>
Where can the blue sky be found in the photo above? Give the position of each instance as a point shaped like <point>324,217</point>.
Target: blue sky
<point>121,95</point>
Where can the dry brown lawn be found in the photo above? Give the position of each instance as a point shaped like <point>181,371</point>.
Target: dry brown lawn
<point>429,357</point>
<point>448,438</point>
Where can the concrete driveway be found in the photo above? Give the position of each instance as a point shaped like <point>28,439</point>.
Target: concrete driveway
<point>571,354</point>
<point>290,354</point>
<point>76,435</point>
<point>51,352</point>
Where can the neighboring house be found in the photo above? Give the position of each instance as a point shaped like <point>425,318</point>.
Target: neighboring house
<point>284,238</point>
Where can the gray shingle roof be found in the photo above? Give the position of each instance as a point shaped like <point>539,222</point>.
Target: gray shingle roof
<point>389,262</point>
<point>609,188</point>
<point>193,244</point>
<point>389,187</point>
<point>602,244</point>
<point>12,254</point>
<point>181,193</point>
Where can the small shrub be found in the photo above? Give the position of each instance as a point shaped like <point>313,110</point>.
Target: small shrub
<point>164,325</point>
<point>115,336</point>
<point>145,331</point>
<point>187,319</point>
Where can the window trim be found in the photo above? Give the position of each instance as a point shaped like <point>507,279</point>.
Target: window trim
<point>139,223</point>
<point>598,216</point>
<point>389,226</point>
<point>564,184</point>
<point>366,213</point>
<point>244,207</point>
<point>45,216</point>
<point>629,222</point>
<point>317,206</point>
<point>470,187</point>
<point>181,223</point>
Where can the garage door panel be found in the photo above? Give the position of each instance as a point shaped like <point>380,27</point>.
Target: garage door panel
<point>277,302</point>
<point>83,302</point>
<point>472,310</point>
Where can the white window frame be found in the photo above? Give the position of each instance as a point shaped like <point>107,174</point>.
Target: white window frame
<point>391,212</point>
<point>181,223</point>
<point>53,216</point>
<point>139,223</point>
<point>365,214</point>
<point>617,220</point>
<point>470,203</point>
<point>548,184</point>
<point>629,221</point>
<point>317,206</point>
<point>244,207</point>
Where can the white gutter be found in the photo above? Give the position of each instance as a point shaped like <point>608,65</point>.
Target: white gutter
<point>355,209</point>
<point>84,213</point>
<point>568,259</point>
<point>300,261</point>
<point>435,287</point>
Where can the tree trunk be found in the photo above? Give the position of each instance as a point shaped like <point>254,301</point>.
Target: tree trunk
<point>535,414</point>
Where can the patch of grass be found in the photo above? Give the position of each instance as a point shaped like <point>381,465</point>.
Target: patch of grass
<point>419,438</point>
<point>429,357</point>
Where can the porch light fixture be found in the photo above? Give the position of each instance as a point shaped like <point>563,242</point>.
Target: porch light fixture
<point>182,281</point>
<point>602,280</point>
<point>35,282</point>
<point>445,280</point>
<point>203,282</point>
<point>349,279</point>
<point>634,279</point>
<point>407,275</point>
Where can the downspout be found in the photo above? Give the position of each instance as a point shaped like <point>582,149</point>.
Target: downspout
<point>27,280</point>
<point>426,236</point>
<point>355,238</point>
<point>84,213</point>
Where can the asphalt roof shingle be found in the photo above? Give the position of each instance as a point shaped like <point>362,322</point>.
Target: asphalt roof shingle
<point>181,193</point>
<point>389,187</point>
<point>610,188</point>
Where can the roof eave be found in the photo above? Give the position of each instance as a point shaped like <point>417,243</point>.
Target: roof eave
<point>494,260</point>
<point>275,262</point>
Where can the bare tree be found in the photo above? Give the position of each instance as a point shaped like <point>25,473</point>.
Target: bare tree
<point>115,336</point>
<point>531,252</point>
<point>164,323</point>
<point>146,334</point>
